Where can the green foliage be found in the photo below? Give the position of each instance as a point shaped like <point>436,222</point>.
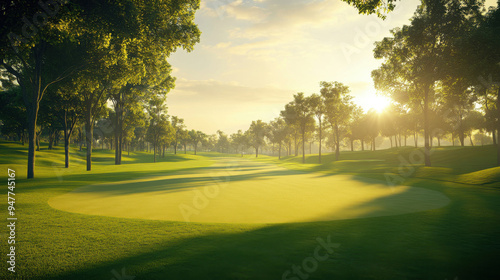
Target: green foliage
<point>12,112</point>
<point>257,132</point>
<point>380,7</point>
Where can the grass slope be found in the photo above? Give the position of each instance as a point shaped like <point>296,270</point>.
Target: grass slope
<point>459,241</point>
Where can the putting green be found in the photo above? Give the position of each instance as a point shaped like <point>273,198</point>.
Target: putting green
<point>244,191</point>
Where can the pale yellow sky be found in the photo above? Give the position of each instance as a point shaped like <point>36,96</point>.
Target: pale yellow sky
<point>255,54</point>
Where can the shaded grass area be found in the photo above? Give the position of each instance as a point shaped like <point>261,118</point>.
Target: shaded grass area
<point>460,241</point>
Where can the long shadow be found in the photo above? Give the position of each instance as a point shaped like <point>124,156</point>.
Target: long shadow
<point>95,178</point>
<point>179,184</point>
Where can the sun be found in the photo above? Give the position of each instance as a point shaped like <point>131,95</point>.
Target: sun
<point>379,103</point>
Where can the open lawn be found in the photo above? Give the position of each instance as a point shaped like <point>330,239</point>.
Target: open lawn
<point>255,219</point>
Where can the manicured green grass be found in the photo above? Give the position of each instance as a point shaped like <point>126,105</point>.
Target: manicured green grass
<point>460,240</point>
<point>242,191</point>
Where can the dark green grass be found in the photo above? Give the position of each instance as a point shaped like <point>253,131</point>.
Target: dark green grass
<point>459,241</point>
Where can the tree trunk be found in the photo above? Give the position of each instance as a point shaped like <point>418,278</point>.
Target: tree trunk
<point>470,138</point>
<point>32,97</point>
<point>337,142</point>
<point>352,145</point>
<point>80,138</point>
<point>118,103</point>
<point>195,148</point>
<point>303,147</point>
<point>51,138</point>
<point>320,136</point>
<point>67,136</point>
<point>117,149</point>
<point>498,126</point>
<point>295,145</point>
<point>427,150</point>
<point>362,144</point>
<point>154,152</point>
<point>256,151</point>
<point>390,138</point>
<point>88,138</point>
<point>32,118</point>
<point>461,136</point>
<point>66,148</point>
<point>38,134</point>
<point>279,150</point>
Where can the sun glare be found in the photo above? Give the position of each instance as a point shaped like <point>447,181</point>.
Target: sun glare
<point>379,103</point>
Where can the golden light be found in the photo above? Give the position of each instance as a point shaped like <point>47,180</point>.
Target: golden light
<point>379,103</point>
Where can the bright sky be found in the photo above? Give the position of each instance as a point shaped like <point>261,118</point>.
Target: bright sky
<point>255,54</point>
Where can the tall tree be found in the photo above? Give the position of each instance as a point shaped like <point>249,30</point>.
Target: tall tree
<point>240,141</point>
<point>160,130</point>
<point>185,139</point>
<point>304,117</point>
<point>256,133</point>
<point>196,137</point>
<point>338,109</point>
<point>317,105</point>
<point>65,104</point>
<point>222,142</point>
<point>178,125</point>
<point>278,133</point>
<point>291,117</point>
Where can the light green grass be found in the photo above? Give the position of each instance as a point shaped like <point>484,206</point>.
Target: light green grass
<point>459,240</point>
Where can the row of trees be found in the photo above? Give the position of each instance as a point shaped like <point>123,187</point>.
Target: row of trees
<point>329,119</point>
<point>332,120</point>
<point>73,58</point>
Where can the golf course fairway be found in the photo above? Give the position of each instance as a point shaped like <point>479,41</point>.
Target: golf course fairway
<point>236,190</point>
